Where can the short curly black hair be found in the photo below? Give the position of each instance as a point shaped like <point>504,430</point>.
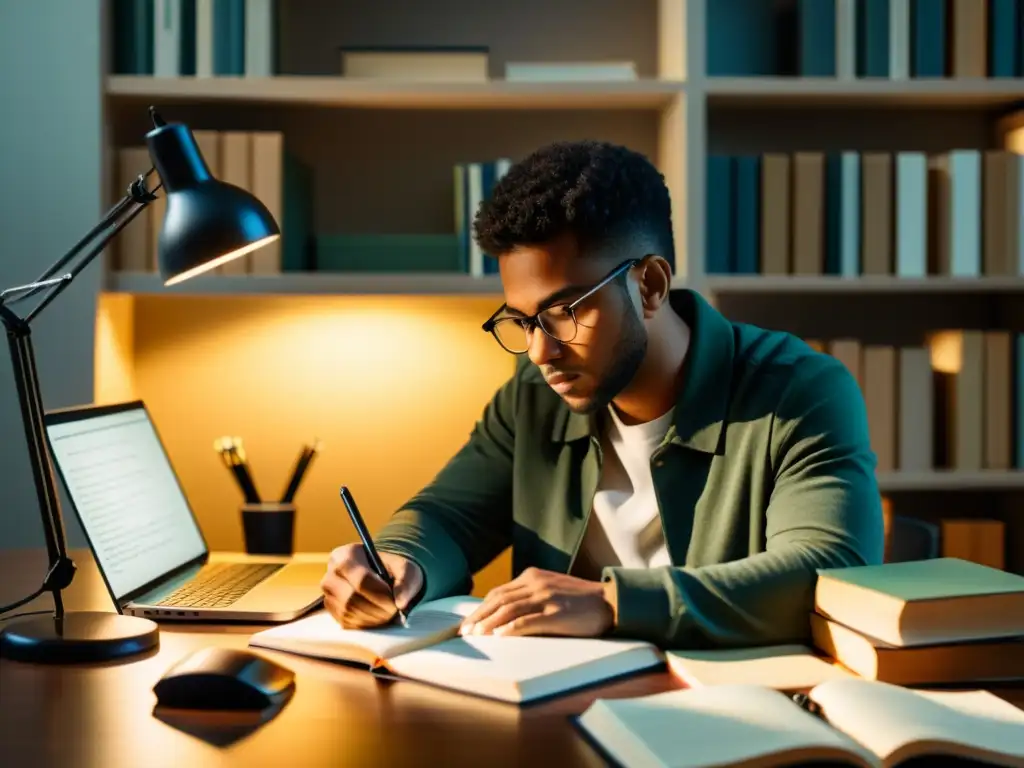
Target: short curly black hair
<point>596,190</point>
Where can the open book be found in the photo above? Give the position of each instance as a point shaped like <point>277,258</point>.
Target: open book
<point>430,650</point>
<point>857,722</point>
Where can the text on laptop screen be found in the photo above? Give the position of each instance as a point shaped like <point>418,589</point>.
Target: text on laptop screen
<point>127,496</point>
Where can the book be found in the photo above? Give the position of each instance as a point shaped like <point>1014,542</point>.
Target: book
<point>957,663</point>
<point>782,667</point>
<point>856,722</point>
<point>430,650</point>
<point>923,602</point>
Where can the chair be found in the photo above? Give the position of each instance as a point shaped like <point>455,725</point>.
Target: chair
<point>907,538</point>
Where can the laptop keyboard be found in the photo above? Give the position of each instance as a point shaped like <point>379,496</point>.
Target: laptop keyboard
<point>218,585</point>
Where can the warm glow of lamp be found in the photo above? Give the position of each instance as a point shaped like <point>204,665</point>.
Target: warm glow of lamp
<point>946,351</point>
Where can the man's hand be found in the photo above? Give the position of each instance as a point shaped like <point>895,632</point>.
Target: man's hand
<point>544,603</point>
<point>356,597</point>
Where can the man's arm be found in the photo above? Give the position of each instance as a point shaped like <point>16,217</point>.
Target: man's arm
<point>825,511</point>
<point>463,519</point>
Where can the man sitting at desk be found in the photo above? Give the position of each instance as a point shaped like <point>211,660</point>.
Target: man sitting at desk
<point>660,472</point>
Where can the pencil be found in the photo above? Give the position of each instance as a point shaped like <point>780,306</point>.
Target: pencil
<point>306,457</point>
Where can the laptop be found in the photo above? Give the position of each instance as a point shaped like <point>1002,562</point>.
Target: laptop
<point>144,536</point>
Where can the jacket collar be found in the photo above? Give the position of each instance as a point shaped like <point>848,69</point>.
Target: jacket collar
<point>702,406</point>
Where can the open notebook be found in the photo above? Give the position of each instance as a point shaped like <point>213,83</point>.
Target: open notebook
<point>429,649</point>
<point>860,722</point>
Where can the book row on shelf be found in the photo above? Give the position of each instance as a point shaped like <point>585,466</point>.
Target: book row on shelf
<point>954,403</point>
<point>211,38</point>
<point>910,214</point>
<point>846,39</point>
<point>259,162</point>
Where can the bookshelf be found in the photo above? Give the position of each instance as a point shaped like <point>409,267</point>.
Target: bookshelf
<point>686,105</point>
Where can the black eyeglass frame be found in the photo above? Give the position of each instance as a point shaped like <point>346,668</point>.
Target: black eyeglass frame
<point>531,322</point>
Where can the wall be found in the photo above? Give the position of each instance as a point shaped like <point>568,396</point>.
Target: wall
<point>50,169</point>
<point>392,385</point>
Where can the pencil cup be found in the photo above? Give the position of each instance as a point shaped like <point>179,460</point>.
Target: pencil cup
<point>269,528</point>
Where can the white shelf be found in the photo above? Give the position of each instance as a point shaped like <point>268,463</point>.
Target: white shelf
<point>864,284</point>
<point>823,91</point>
<point>311,283</point>
<point>951,480</point>
<point>337,91</point>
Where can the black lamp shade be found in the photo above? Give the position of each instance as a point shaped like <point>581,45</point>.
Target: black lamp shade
<point>207,222</point>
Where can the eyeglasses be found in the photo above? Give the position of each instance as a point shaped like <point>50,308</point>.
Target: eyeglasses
<point>559,321</point>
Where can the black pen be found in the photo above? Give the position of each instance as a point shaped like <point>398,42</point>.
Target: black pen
<point>371,551</point>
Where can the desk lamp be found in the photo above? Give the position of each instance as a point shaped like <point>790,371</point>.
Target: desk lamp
<point>207,223</point>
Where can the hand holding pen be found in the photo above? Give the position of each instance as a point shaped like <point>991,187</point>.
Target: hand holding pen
<point>363,586</point>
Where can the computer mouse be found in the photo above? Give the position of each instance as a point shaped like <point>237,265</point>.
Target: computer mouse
<point>224,678</point>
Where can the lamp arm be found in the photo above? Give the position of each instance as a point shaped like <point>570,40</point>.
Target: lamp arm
<point>113,222</point>
<point>61,569</point>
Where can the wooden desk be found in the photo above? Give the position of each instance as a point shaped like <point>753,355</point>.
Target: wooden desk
<point>103,714</point>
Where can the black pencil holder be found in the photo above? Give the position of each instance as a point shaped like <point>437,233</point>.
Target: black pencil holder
<point>269,528</point>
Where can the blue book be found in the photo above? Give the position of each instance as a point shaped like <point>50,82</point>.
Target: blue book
<point>229,37</point>
<point>488,173</point>
<point>833,213</point>
<point>741,38</point>
<point>816,21</point>
<point>928,38</point>
<point>873,38</point>
<point>1003,25</point>
<point>747,219</point>
<point>719,204</point>
<point>1019,405</point>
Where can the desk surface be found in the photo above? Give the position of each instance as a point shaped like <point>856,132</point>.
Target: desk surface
<point>103,714</point>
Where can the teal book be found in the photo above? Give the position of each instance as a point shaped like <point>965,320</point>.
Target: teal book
<point>742,39</point>
<point>850,215</point>
<point>719,207</point>
<point>133,37</point>
<point>873,38</point>
<point>928,42</point>
<point>833,213</point>
<point>1003,29</point>
<point>747,245</point>
<point>965,212</point>
<point>388,253</point>
<point>229,37</point>
<point>297,218</point>
<point>816,24</point>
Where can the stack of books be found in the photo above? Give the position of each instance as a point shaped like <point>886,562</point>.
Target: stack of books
<point>924,622</point>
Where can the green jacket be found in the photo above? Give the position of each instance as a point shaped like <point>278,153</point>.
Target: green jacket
<point>765,475</point>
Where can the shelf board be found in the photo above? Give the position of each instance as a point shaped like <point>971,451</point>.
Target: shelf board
<point>864,284</point>
<point>818,91</point>
<point>951,480</point>
<point>309,283</point>
<point>328,90</point>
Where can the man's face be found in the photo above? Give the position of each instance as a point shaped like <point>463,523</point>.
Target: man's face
<point>611,339</point>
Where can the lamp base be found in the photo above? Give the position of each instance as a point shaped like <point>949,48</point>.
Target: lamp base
<point>81,636</point>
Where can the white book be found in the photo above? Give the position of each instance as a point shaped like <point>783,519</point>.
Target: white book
<point>430,650</point>
<point>204,38</point>
<point>475,188</point>
<point>560,72</point>
<point>856,722</point>
<point>846,39</point>
<point>911,214</point>
<point>167,38</point>
<point>259,38</point>
<point>899,39</point>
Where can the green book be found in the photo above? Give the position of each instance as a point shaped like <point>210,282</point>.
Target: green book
<point>923,602</point>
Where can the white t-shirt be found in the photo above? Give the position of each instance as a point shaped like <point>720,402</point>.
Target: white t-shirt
<point>625,527</point>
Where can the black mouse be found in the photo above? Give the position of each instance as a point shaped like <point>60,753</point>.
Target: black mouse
<point>224,678</point>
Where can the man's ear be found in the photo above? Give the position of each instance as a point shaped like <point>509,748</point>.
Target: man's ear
<point>655,282</point>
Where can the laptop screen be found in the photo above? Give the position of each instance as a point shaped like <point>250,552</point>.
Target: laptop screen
<point>127,496</point>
